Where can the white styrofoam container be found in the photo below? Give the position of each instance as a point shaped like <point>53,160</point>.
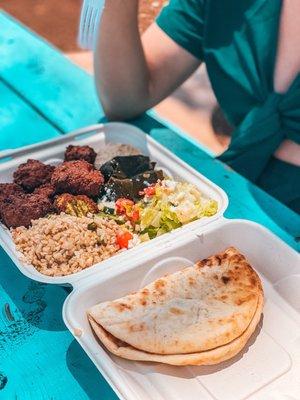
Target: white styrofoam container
<point>52,152</point>
<point>267,369</point>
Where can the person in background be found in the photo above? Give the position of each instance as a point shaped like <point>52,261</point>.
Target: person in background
<point>251,51</point>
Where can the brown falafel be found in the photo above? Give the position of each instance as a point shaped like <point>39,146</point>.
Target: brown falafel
<point>77,177</point>
<point>32,174</point>
<point>46,190</point>
<point>7,189</point>
<point>85,153</point>
<point>19,210</point>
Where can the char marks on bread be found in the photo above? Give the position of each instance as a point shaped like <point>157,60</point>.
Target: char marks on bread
<point>179,318</point>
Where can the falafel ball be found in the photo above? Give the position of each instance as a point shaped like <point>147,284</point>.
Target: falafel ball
<point>79,206</point>
<point>33,174</point>
<point>46,190</point>
<point>20,210</point>
<point>85,153</point>
<point>7,189</point>
<point>77,177</point>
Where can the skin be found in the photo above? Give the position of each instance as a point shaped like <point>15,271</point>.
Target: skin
<point>134,74</point>
<point>156,65</point>
<point>287,68</point>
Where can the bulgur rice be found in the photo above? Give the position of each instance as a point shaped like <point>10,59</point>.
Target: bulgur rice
<point>63,244</point>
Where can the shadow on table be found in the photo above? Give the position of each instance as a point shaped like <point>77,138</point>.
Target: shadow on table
<point>32,303</point>
<point>86,374</point>
<point>274,210</point>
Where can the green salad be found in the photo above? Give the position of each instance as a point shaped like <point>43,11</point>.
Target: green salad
<point>164,206</point>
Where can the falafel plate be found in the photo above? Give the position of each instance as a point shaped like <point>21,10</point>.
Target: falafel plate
<point>93,205</point>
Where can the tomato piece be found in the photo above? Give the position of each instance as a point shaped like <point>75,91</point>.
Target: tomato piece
<point>135,215</point>
<point>122,205</point>
<point>123,239</point>
<point>149,191</point>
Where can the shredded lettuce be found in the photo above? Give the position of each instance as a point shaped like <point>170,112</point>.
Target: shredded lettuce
<point>173,205</point>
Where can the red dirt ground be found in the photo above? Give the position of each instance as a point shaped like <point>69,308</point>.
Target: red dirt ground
<point>57,20</point>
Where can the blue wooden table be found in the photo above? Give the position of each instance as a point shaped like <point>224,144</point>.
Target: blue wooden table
<point>43,95</point>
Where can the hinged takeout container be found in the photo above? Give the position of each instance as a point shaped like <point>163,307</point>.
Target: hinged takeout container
<point>269,366</point>
<point>52,152</point>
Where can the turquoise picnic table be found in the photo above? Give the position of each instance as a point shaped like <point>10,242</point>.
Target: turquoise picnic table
<point>43,95</point>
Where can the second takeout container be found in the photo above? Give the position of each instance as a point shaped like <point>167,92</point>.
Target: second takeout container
<point>269,366</point>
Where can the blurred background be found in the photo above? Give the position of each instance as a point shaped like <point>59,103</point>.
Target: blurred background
<point>192,107</point>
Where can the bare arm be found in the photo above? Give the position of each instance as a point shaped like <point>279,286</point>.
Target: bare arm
<point>134,74</point>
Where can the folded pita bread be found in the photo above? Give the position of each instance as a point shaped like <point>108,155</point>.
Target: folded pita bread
<point>200,315</point>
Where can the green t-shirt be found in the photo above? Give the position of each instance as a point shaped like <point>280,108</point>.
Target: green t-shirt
<point>237,40</point>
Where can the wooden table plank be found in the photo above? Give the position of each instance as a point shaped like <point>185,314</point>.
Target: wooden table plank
<point>62,92</point>
<point>20,125</point>
<point>38,355</point>
<point>66,87</point>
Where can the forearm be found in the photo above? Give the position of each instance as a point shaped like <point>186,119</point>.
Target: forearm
<point>121,72</point>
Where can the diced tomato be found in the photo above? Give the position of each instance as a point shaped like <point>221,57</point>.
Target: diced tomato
<point>129,209</point>
<point>135,215</point>
<point>122,205</point>
<point>149,191</point>
<point>123,239</point>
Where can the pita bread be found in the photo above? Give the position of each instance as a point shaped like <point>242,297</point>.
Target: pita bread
<point>203,314</point>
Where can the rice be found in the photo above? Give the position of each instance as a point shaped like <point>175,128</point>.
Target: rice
<point>111,150</point>
<point>64,244</point>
